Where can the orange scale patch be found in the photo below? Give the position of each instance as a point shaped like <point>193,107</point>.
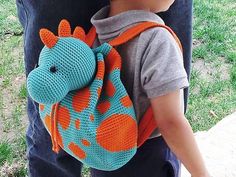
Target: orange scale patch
<point>47,121</point>
<point>103,107</point>
<point>59,140</point>
<point>99,90</point>
<point>117,133</point>
<point>81,100</point>
<point>41,107</point>
<point>100,70</point>
<point>126,102</point>
<point>91,117</point>
<point>77,124</point>
<point>85,142</point>
<point>77,150</point>
<point>113,61</point>
<point>110,88</point>
<point>63,117</point>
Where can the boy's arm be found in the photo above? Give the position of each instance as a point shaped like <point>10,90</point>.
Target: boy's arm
<point>177,132</point>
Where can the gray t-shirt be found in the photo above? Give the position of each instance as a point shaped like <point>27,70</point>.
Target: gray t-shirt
<point>152,63</point>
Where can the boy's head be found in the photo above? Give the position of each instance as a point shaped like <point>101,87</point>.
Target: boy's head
<point>151,5</point>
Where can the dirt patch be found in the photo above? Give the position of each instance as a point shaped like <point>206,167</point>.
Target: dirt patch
<point>210,71</point>
<point>197,43</point>
<point>10,101</point>
<point>11,170</point>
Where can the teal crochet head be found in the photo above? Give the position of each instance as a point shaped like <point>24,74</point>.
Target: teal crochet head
<point>61,67</point>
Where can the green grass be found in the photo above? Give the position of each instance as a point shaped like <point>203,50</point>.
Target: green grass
<point>233,76</point>
<point>5,152</point>
<point>22,92</point>
<point>8,22</point>
<point>212,90</point>
<point>12,157</point>
<point>214,35</point>
<point>12,93</point>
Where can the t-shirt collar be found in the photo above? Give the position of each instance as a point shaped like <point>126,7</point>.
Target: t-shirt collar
<point>108,27</point>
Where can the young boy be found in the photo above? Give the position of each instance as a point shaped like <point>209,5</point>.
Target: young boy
<point>153,73</point>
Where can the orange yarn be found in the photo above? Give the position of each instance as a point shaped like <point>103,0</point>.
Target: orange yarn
<point>77,124</point>
<point>137,29</point>
<point>110,89</point>
<point>54,129</point>
<point>85,142</point>
<point>116,123</point>
<point>113,61</point>
<point>90,37</point>
<point>79,33</point>
<point>77,150</point>
<point>146,126</point>
<point>103,107</point>
<point>48,38</point>
<point>64,29</point>
<point>63,117</point>
<point>91,117</point>
<point>118,126</point>
<point>41,107</point>
<point>47,121</point>
<point>100,70</point>
<point>125,101</point>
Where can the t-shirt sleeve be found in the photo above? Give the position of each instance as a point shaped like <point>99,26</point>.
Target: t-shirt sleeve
<point>162,68</point>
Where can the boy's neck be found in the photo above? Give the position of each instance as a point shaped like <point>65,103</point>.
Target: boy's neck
<point>117,7</point>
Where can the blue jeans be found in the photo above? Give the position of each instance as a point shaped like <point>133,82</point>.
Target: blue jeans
<point>154,158</point>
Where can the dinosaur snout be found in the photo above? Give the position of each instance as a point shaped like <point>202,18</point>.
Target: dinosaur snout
<point>43,89</point>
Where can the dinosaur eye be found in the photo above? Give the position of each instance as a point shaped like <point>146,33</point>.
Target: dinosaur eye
<point>53,69</point>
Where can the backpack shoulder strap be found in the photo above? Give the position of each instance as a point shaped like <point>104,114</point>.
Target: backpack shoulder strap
<point>130,34</point>
<point>147,124</point>
<point>139,28</point>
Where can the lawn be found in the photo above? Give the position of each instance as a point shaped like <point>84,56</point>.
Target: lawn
<point>212,81</point>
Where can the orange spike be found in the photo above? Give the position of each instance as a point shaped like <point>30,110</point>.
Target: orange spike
<point>79,33</point>
<point>90,37</point>
<point>48,38</point>
<point>64,29</point>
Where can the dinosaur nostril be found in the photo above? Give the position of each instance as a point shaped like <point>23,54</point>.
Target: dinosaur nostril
<point>53,69</point>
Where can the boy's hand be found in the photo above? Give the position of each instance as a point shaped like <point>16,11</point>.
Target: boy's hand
<point>177,132</point>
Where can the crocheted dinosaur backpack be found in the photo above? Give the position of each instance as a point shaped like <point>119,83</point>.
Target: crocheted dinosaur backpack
<point>82,101</point>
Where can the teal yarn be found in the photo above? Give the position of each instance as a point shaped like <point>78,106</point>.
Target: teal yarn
<point>75,66</point>
<point>82,101</point>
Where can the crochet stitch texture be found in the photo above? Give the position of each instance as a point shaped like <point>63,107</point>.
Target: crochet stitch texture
<point>82,101</point>
<point>94,120</point>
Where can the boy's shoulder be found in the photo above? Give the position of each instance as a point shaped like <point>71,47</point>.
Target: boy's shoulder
<point>162,68</point>
<point>160,41</point>
<point>157,36</point>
